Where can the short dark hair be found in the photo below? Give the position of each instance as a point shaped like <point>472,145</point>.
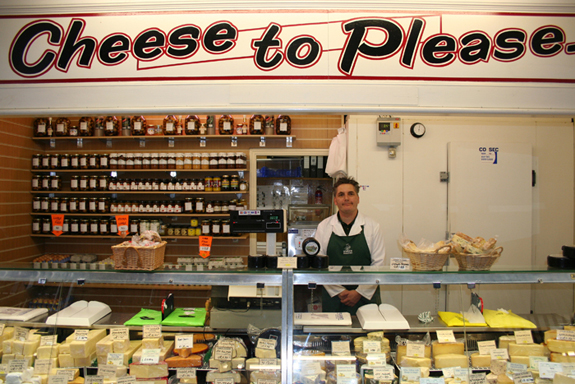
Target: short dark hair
<point>346,180</point>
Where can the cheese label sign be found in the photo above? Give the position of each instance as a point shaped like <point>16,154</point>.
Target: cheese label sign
<point>152,331</point>
<point>186,373</point>
<point>523,337</point>
<point>415,350</point>
<point>445,336</point>
<point>485,347</point>
<point>371,346</point>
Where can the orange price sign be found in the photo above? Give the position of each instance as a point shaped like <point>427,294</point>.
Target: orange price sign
<point>57,224</point>
<point>123,222</point>
<point>205,246</point>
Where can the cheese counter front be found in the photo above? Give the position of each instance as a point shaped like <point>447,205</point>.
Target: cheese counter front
<point>249,332</point>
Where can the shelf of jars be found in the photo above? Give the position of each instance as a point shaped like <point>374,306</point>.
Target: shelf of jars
<point>138,192</point>
<point>238,237</point>
<point>108,170</point>
<point>163,214</point>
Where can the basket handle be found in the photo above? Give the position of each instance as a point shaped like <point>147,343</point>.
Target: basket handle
<point>448,246</point>
<point>497,251</point>
<point>125,259</point>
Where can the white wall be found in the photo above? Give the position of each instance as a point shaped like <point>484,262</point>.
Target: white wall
<point>405,195</point>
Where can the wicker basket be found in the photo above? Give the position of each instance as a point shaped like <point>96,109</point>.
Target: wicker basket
<point>139,258</point>
<point>433,261</point>
<point>482,262</point>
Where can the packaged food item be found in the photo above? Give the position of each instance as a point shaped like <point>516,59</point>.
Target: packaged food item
<point>42,126</point>
<point>257,125</point>
<point>111,126</point>
<point>138,126</point>
<point>86,126</point>
<point>62,126</point>
<point>169,125</point>
<point>283,125</point>
<point>192,125</point>
<point>226,125</point>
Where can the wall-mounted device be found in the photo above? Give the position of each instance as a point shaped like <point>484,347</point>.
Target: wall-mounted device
<point>388,131</point>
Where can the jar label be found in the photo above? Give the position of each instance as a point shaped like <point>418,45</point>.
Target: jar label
<point>109,125</point>
<point>191,125</point>
<point>83,126</point>
<point>137,126</point>
<point>41,128</point>
<point>60,127</point>
<point>283,127</point>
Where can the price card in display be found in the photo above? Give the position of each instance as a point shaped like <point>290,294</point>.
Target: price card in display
<point>42,366</point>
<point>400,264</point>
<point>123,223</point>
<point>266,381</point>
<point>21,333</point>
<point>548,370</point>
<point>57,379</point>
<point>287,262</point>
<point>229,380</point>
<point>371,346</point>
<point>565,335</point>
<point>69,374</point>
<point>184,341</point>
<point>432,380</point>
<point>445,336</point>
<point>150,356</point>
<point>523,337</point>
<point>57,224</point>
<point>152,331</point>
<point>48,340</point>
<point>383,374</point>
<point>376,359</point>
<point>535,360</point>
<point>410,373</point>
<point>340,348</point>
<point>345,371</point>
<point>107,371</point>
<point>568,368</point>
<point>267,343</point>
<point>205,246</point>
<point>97,379</point>
<point>460,374</point>
<point>81,334</point>
<point>478,378</point>
<point>523,378</point>
<point>127,380</point>
<point>485,347</point>
<point>223,353</point>
<point>226,343</point>
<point>499,354</point>
<point>515,367</point>
<point>415,350</point>
<point>17,365</point>
<point>115,359</point>
<point>119,334</point>
<point>269,364</point>
<point>186,373</point>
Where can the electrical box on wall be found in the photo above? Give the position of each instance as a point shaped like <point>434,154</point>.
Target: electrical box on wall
<point>388,131</point>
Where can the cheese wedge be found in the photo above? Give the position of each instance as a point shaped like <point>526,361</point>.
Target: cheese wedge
<point>526,349</point>
<point>182,362</point>
<point>504,379</point>
<point>149,371</point>
<point>153,343</point>
<point>166,351</point>
<point>402,351</point>
<point>451,360</point>
<point>520,360</point>
<point>83,349</point>
<point>561,378</point>
<point>415,362</point>
<point>456,348</point>
<point>478,360</point>
<point>561,346</point>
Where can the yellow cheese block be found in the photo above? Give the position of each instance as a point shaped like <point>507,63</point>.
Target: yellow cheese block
<point>85,361</point>
<point>561,346</point>
<point>83,349</point>
<point>569,327</point>
<point>148,371</point>
<point>520,360</point>
<point>456,348</point>
<point>105,346</point>
<point>27,347</point>
<point>478,360</point>
<point>121,345</point>
<point>135,345</point>
<point>7,357</point>
<point>402,351</point>
<point>43,378</point>
<point>526,349</point>
<point>451,360</point>
<point>550,334</point>
<point>165,352</point>
<point>7,334</point>
<point>561,378</point>
<point>154,343</point>
<point>415,362</point>
<point>358,343</point>
<point>77,380</point>
<point>505,340</point>
<point>7,345</point>
<point>64,348</point>
<point>47,351</point>
<point>504,379</point>
<point>29,358</point>
<point>555,358</point>
<point>65,361</point>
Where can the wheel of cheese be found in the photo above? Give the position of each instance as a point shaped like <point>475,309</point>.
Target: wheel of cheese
<point>182,362</point>
<point>197,348</point>
<point>203,337</point>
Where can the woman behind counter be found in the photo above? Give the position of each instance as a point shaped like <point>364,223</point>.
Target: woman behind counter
<point>350,238</point>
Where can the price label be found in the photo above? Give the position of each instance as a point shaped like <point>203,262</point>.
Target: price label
<point>383,374</point>
<point>478,378</point>
<point>515,367</point>
<point>266,381</point>
<point>205,246</point>
<point>523,378</point>
<point>81,334</point>
<point>460,374</point>
<point>48,340</point>
<point>445,336</point>
<point>226,343</point>
<point>150,356</point>
<point>565,335</point>
<point>21,334</point>
<point>224,381</point>
<point>267,343</point>
<point>345,371</point>
<point>376,359</point>
<point>119,334</point>
<point>42,366</point>
<point>69,374</point>
<point>415,350</point>
<point>270,363</point>
<point>97,379</point>
<point>568,368</point>
<point>184,341</point>
<point>400,264</point>
<point>340,348</point>
<point>499,354</point>
<point>535,360</point>
<point>115,359</point>
<point>107,371</point>
<point>57,379</point>
<point>152,331</point>
<point>127,380</point>
<point>523,337</point>
<point>410,374</point>
<point>186,373</point>
<point>223,353</point>
<point>371,346</point>
<point>485,347</point>
<point>17,365</point>
<point>432,380</point>
<point>287,262</point>
<point>548,370</point>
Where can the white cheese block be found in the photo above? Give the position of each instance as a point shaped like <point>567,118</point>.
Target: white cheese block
<point>7,357</point>
<point>135,346</point>
<point>29,358</point>
<point>561,346</point>
<point>561,378</point>
<point>451,360</point>
<point>526,349</point>
<point>148,371</point>
<point>498,366</point>
<point>520,359</point>
<point>121,345</point>
<point>105,346</point>
<point>85,361</point>
<point>491,378</point>
<point>456,348</point>
<point>415,362</point>
<point>153,343</point>
<point>220,365</point>
<point>14,378</point>
<point>478,360</point>
<point>358,343</point>
<point>83,349</point>
<point>165,352</point>
<point>505,340</point>
<point>7,345</point>
<point>65,360</point>
<point>47,351</point>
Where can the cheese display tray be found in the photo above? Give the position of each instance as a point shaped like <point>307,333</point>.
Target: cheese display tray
<point>384,316</point>
<point>312,318</point>
<point>80,313</point>
<point>21,314</point>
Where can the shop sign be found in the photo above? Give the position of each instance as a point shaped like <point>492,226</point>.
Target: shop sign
<point>286,45</point>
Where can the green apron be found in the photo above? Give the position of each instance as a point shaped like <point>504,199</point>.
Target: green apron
<point>348,250</point>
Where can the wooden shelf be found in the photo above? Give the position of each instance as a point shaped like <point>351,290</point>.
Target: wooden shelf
<point>170,287</point>
<point>139,192</point>
<point>158,215</point>
<point>161,137</point>
<point>89,170</point>
<point>240,237</point>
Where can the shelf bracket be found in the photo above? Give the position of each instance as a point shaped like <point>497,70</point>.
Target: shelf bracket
<point>203,142</point>
<point>289,142</point>
<point>312,285</point>
<point>234,141</point>
<point>471,285</point>
<point>79,142</point>
<point>171,142</point>
<point>81,281</point>
<point>108,143</point>
<point>42,280</point>
<point>142,143</point>
<point>52,143</point>
<point>262,141</point>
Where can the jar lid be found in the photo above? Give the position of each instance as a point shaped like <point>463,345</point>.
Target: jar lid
<point>179,154</point>
<point>146,155</point>
<point>205,154</point>
<point>197,154</point>
<point>163,155</point>
<point>130,155</point>
<point>213,154</point>
<point>155,155</point>
<point>240,154</point>
<point>231,154</point>
<point>223,154</point>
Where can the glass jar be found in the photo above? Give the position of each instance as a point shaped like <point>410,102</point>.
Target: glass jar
<point>146,161</point>
<point>283,125</point>
<point>104,226</point>
<point>216,184</point>
<point>83,205</point>
<point>113,226</point>
<point>138,157</point>
<point>36,225</point>
<point>65,161</point>
<point>209,207</point>
<point>41,127</point>
<point>86,126</point>
<point>214,160</point>
<point>129,160</point>
<point>93,161</point>
<point>188,160</point>
<point>196,160</point>
<point>111,126</point>
<point>217,207</point>
<point>55,183</point>
<point>225,207</point>
<point>84,161</point>
<point>82,182</point>
<point>205,161</point>
<point>94,227</point>
<point>200,185</point>
<point>144,226</point>
<point>225,183</point>
<point>134,226</point>
<point>179,160</point>
<point>92,204</point>
<point>54,204</point>
<point>45,162</point>
<point>54,161</point>
<point>206,228</point>
<point>226,125</point>
<point>66,226</point>
<point>73,204</point>
<point>200,205</point>
<point>230,160</point>
<point>189,205</point>
<point>75,161</point>
<point>36,182</point>
<point>235,183</point>
<point>104,161</point>
<point>163,163</point>
<point>169,125</point>
<point>74,226</point>
<point>216,227</point>
<point>46,226</point>
<point>63,204</point>
<point>138,126</point>
<point>93,183</point>
<point>155,185</point>
<point>226,229</point>
<point>103,205</point>
<point>192,125</point>
<point>36,203</point>
<point>242,205</point>
<point>73,131</point>
<point>155,161</point>
<point>208,184</point>
<point>222,160</point>
<point>121,161</point>
<point>62,126</point>
<point>241,160</point>
<point>37,161</point>
<point>257,124</point>
<point>45,182</point>
<point>133,185</point>
<point>45,204</point>
<point>172,161</point>
<point>243,186</point>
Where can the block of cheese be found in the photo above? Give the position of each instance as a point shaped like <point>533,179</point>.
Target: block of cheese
<point>520,360</point>
<point>358,342</point>
<point>402,351</point>
<point>153,343</point>
<point>64,347</point>
<point>65,361</point>
<point>165,351</point>
<point>526,349</point>
<point>27,347</point>
<point>504,379</point>
<point>7,334</point>
<point>157,380</point>
<point>182,362</point>
<point>569,327</point>
<point>85,361</point>
<point>47,351</point>
<point>555,358</point>
<point>561,346</point>
<point>149,371</point>
<point>30,359</point>
<point>86,348</point>
<point>451,360</point>
<point>7,345</point>
<point>478,360</point>
<point>197,348</point>
<point>105,346</point>
<point>491,378</point>
<point>498,366</point>
<point>561,378</point>
<point>135,345</point>
<point>213,376</point>
<point>505,340</point>
<point>121,345</point>
<point>539,380</point>
<point>550,334</point>
<point>456,348</point>
<point>415,362</point>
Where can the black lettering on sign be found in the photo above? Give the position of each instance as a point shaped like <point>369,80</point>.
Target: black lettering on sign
<point>475,47</point>
<point>73,45</point>
<point>303,51</point>
<point>439,50</point>
<point>114,49</point>
<point>149,45</point>
<point>547,41</point>
<point>570,48</point>
<point>183,41</point>
<point>268,49</point>
<point>509,44</point>
<point>220,37</point>
<point>30,33</point>
<point>358,45</point>
<point>412,42</point>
